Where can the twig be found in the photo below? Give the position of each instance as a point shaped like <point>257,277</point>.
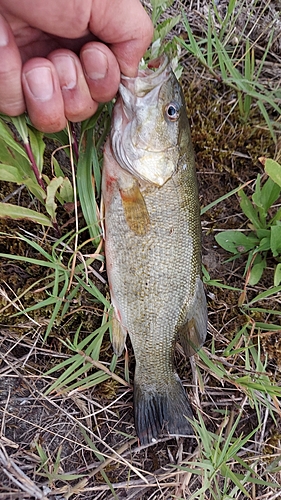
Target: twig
<point>17,476</point>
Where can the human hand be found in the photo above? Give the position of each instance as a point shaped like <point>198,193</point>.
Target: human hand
<point>40,70</point>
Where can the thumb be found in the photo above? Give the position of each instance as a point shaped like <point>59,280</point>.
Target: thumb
<point>11,95</point>
<point>126,27</point>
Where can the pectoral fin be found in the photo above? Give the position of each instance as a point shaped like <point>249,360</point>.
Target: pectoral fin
<point>193,332</point>
<point>118,335</point>
<point>135,209</point>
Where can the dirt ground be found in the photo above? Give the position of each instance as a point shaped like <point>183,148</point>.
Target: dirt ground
<point>79,443</point>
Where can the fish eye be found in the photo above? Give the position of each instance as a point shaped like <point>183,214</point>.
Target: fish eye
<point>172,111</point>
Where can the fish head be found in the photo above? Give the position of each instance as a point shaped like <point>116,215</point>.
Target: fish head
<point>147,122</point>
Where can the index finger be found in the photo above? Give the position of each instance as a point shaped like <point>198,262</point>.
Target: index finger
<point>126,27</point>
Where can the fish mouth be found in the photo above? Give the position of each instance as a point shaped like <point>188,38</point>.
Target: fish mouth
<point>157,72</point>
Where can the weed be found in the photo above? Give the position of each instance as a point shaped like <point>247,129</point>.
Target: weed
<point>264,237</point>
<point>218,53</point>
<point>224,474</point>
<point>51,469</point>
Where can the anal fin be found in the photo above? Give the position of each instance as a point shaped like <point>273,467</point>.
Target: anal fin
<point>193,332</point>
<point>119,335</point>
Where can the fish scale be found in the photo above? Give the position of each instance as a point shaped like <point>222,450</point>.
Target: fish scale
<point>153,247</point>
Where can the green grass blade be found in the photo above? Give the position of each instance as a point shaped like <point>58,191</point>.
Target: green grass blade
<point>59,302</point>
<point>193,46</point>
<point>264,295</point>
<point>267,119</point>
<point>37,247</point>
<point>222,198</point>
<point>93,290</point>
<point>37,262</point>
<point>85,185</point>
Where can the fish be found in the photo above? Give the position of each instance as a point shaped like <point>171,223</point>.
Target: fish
<point>152,234</point>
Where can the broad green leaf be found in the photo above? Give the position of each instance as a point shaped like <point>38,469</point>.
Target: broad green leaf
<point>21,126</point>
<point>10,174</point>
<point>50,203</point>
<point>66,191</point>
<point>273,169</point>
<point>275,240</point>
<point>57,169</point>
<point>264,245</point>
<point>12,157</point>
<point>236,242</point>
<point>61,137</point>
<point>8,210</point>
<point>276,218</point>
<point>277,275</point>
<point>37,146</point>
<point>9,140</point>
<point>263,233</point>
<point>257,270</point>
<point>270,192</point>
<point>249,210</point>
<point>35,189</point>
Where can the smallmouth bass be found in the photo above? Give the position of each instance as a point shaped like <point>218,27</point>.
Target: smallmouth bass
<point>153,244</point>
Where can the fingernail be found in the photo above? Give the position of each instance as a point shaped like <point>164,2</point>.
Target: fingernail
<point>95,63</point>
<point>40,83</point>
<point>4,36</point>
<point>66,69</point>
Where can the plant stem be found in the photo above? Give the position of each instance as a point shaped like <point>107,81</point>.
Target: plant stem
<point>74,141</point>
<point>34,165</point>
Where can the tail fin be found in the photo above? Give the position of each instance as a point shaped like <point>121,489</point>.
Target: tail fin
<point>161,410</point>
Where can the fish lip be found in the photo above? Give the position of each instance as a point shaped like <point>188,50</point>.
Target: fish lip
<point>147,79</point>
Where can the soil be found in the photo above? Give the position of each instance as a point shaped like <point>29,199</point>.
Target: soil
<point>90,434</point>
